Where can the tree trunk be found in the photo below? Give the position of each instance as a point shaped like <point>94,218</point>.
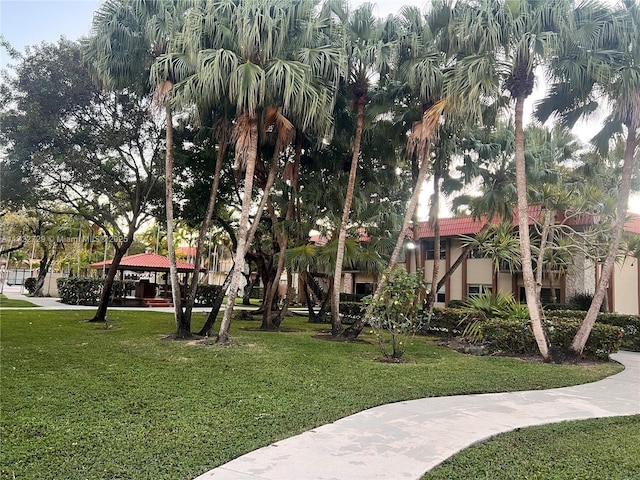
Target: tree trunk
<point>628,167</point>
<point>354,330</point>
<point>243,230</point>
<point>207,328</point>
<point>191,299</point>
<point>183,325</point>
<point>547,222</point>
<point>45,265</point>
<point>287,301</point>
<point>435,223</point>
<point>272,291</point>
<point>336,323</point>
<point>105,294</point>
<point>533,303</point>
<point>463,255</point>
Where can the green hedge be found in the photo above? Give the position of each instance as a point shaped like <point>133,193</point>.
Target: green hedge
<point>207,294</point>
<point>352,297</point>
<point>30,284</point>
<point>79,291</point>
<point>630,325</point>
<point>351,312</point>
<point>516,337</point>
<point>447,321</point>
<point>612,331</point>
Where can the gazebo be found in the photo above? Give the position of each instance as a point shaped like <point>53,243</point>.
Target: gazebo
<point>148,263</point>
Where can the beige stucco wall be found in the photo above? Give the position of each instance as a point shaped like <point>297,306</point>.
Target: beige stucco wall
<point>625,287</point>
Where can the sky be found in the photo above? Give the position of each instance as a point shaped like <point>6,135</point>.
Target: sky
<point>30,22</point>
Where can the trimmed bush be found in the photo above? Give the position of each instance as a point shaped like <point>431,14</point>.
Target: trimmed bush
<point>80,291</point>
<point>30,284</point>
<point>552,307</point>
<point>581,301</point>
<point>207,294</point>
<point>630,324</point>
<point>516,337</point>
<point>350,312</point>
<point>120,289</point>
<point>352,297</point>
<point>455,304</point>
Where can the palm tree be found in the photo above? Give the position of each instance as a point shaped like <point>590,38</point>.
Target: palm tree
<point>250,66</point>
<point>600,59</point>
<point>423,42</point>
<point>369,52</point>
<point>127,37</point>
<point>511,39</point>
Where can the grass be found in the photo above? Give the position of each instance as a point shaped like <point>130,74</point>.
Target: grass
<point>11,303</point>
<point>82,401</point>
<point>603,449</point>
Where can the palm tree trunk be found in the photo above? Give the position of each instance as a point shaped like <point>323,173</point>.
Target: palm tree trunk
<point>463,255</point>
<point>581,337</point>
<point>283,242</point>
<point>191,299</point>
<point>183,327</point>
<point>547,222</point>
<point>533,303</point>
<point>435,223</point>
<point>354,330</point>
<point>336,324</point>
<point>243,230</point>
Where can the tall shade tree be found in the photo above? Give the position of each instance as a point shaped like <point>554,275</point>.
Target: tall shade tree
<point>93,153</point>
<point>251,67</point>
<point>511,38</point>
<point>600,61</point>
<point>127,37</point>
<point>369,47</point>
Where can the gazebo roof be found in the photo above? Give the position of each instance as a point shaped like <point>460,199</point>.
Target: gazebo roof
<point>146,262</point>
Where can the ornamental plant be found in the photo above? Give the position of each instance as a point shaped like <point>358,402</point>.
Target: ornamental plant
<point>396,314</point>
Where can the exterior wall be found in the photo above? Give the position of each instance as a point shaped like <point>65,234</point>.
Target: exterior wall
<point>583,277</point>
<point>626,287</point>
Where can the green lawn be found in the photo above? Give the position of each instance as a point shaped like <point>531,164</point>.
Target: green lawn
<point>6,302</point>
<point>603,449</point>
<point>82,402</point>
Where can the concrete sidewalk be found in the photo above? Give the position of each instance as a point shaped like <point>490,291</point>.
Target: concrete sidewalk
<point>406,439</point>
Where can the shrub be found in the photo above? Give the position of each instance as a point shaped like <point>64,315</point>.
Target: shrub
<point>552,307</point>
<point>397,311</point>
<point>446,321</point>
<point>481,308</point>
<point>79,291</point>
<point>512,336</point>
<point>30,284</point>
<point>121,289</point>
<point>455,304</point>
<point>351,312</point>
<point>581,301</point>
<point>352,297</point>
<point>206,295</point>
<point>630,325</point>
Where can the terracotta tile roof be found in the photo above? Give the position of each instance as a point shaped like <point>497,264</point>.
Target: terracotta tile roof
<point>450,227</point>
<point>633,224</point>
<point>146,262</point>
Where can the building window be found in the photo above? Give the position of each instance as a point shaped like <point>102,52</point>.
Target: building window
<point>430,249</point>
<point>441,296</point>
<point>364,288</point>
<point>474,290</point>
<point>546,295</point>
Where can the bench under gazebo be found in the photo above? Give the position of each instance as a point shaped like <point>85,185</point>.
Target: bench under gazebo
<point>148,293</point>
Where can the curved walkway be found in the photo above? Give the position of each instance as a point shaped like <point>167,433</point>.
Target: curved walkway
<point>406,439</point>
